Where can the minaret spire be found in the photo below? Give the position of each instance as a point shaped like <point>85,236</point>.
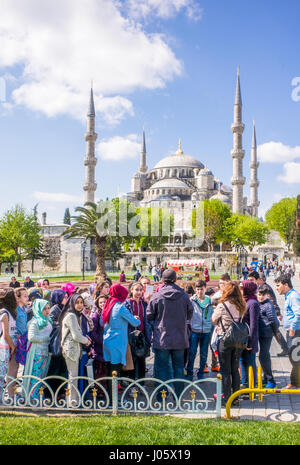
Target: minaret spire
<point>237,153</point>
<point>90,160</point>
<point>254,183</point>
<point>143,167</point>
<point>179,151</point>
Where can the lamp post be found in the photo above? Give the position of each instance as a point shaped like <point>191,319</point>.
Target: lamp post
<point>83,246</point>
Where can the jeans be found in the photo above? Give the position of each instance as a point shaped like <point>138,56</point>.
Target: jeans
<point>294,356</point>
<point>169,364</point>
<point>229,367</point>
<point>201,339</point>
<point>265,358</point>
<point>248,358</point>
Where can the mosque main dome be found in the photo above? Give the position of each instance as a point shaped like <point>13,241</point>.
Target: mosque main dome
<point>179,160</point>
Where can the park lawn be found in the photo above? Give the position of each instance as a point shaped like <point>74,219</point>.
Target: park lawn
<point>21,429</point>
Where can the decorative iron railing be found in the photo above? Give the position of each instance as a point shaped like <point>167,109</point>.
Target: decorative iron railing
<point>112,395</point>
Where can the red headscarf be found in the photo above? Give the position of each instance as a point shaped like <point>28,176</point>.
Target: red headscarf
<point>117,293</point>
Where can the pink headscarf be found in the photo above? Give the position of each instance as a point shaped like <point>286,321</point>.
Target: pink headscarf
<point>69,288</point>
<point>117,293</point>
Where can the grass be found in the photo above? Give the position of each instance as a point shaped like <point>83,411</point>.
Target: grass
<point>132,430</point>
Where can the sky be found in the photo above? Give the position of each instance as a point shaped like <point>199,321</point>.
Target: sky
<point>166,65</point>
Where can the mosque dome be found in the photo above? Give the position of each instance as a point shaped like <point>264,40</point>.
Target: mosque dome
<point>179,160</point>
<point>170,183</point>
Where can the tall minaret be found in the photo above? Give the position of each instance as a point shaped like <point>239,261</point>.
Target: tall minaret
<point>254,183</point>
<point>237,153</point>
<point>90,160</point>
<point>143,167</point>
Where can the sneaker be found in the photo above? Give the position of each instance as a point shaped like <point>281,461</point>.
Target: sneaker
<point>217,368</point>
<point>283,354</point>
<point>290,386</point>
<point>206,370</point>
<point>270,385</point>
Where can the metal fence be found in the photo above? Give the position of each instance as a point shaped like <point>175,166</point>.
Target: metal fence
<point>114,395</point>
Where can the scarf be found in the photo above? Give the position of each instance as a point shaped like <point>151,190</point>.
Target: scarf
<point>117,293</point>
<point>57,297</point>
<point>249,290</point>
<point>69,288</point>
<point>138,310</point>
<point>37,308</point>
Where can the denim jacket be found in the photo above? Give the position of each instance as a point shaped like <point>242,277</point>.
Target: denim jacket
<point>201,320</point>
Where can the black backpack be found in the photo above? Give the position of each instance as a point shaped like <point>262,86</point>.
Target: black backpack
<point>138,344</point>
<point>237,335</point>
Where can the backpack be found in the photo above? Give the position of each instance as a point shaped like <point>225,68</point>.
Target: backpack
<point>237,335</point>
<point>138,344</point>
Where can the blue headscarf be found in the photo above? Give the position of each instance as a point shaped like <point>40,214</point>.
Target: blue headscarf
<point>37,308</point>
<point>57,297</point>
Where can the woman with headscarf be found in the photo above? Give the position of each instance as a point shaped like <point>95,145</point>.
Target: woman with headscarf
<point>86,328</point>
<point>43,285</point>
<point>38,357</point>
<point>72,338</point>
<point>115,319</point>
<point>57,364</point>
<point>69,288</point>
<point>248,356</point>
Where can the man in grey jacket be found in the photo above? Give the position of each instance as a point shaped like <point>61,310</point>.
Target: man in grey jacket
<point>169,312</point>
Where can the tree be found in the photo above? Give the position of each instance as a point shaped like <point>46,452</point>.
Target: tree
<point>281,217</point>
<point>249,230</point>
<point>296,241</point>
<point>19,233</point>
<point>215,215</point>
<point>67,217</point>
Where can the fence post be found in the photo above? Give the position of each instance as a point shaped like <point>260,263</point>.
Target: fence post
<point>114,393</point>
<point>219,395</point>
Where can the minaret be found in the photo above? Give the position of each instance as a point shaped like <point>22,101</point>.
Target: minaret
<point>254,183</point>
<point>143,167</point>
<point>237,153</point>
<point>90,160</point>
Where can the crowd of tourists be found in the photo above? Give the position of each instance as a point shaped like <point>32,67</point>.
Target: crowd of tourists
<point>104,328</point>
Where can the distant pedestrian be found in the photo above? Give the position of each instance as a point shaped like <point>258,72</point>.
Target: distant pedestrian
<point>14,283</point>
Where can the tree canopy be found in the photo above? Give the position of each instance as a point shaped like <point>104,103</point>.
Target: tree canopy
<point>281,217</point>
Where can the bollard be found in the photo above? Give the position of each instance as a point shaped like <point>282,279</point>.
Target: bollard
<point>114,393</point>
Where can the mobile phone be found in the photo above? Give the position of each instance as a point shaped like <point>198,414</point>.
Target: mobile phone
<point>149,289</point>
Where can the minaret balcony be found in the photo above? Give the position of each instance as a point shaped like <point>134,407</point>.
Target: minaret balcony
<point>254,164</point>
<point>238,127</point>
<point>240,181</point>
<point>90,186</point>
<point>90,161</point>
<point>238,153</point>
<point>90,136</point>
<point>254,183</point>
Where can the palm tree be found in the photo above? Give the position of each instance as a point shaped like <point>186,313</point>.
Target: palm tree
<point>84,226</point>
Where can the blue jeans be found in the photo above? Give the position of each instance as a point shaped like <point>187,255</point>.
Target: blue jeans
<point>169,364</point>
<point>265,358</point>
<point>201,339</point>
<point>248,358</point>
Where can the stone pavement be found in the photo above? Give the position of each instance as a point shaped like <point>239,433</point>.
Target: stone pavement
<point>274,407</point>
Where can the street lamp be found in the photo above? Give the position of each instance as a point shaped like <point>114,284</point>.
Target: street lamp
<point>83,246</point>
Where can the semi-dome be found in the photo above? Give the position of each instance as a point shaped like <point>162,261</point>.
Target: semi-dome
<point>219,196</point>
<point>205,172</point>
<point>169,183</point>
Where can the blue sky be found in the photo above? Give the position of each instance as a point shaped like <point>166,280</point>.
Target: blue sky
<point>167,65</point>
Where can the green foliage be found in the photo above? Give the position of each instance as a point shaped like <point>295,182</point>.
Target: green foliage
<point>281,217</point>
<point>19,234</point>
<point>67,217</point>
<point>215,215</point>
<point>249,230</point>
<point>296,235</point>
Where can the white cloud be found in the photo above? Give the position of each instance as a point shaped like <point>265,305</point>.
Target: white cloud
<point>291,173</point>
<point>119,148</point>
<point>277,152</point>
<point>164,8</point>
<point>61,46</point>
<point>57,197</point>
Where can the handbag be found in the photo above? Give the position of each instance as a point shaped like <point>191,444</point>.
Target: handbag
<point>129,362</point>
<point>237,335</point>
<point>55,344</point>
